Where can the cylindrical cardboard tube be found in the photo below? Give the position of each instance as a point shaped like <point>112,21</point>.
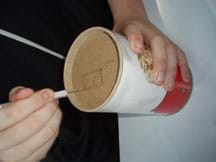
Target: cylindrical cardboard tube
<point>107,77</point>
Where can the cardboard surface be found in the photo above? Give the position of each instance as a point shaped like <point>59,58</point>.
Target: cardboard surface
<point>91,69</point>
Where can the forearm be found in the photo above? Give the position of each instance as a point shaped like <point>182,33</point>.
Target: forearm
<point>127,9</point>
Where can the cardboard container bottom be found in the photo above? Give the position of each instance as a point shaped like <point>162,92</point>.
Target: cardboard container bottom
<point>92,70</point>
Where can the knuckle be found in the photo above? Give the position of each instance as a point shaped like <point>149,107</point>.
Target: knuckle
<point>37,98</point>
<point>133,36</point>
<point>161,65</point>
<point>136,35</point>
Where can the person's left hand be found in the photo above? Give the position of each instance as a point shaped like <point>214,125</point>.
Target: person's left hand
<point>166,55</point>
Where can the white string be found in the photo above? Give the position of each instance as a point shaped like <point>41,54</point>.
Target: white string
<point>30,43</point>
<point>60,94</point>
<point>57,95</point>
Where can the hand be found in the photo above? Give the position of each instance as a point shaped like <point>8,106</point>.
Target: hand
<point>166,55</point>
<point>29,125</point>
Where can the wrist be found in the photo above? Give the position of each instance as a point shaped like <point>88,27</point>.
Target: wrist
<point>124,11</point>
<point>122,22</point>
<point>137,13</point>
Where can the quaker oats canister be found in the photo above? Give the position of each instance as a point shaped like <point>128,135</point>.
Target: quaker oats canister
<point>102,74</point>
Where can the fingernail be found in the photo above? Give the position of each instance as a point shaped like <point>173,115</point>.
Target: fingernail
<point>170,85</point>
<point>188,77</point>
<point>47,94</point>
<point>160,77</point>
<point>15,90</point>
<point>139,44</point>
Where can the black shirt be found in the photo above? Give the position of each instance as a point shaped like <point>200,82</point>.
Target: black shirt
<point>84,137</point>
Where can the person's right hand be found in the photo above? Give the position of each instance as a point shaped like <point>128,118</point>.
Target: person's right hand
<point>29,125</point>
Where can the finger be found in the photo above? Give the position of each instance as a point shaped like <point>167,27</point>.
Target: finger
<point>17,111</point>
<point>41,152</point>
<point>19,93</point>
<point>28,127</point>
<point>135,38</point>
<point>182,62</point>
<point>27,148</point>
<point>159,58</point>
<point>15,90</point>
<point>171,67</point>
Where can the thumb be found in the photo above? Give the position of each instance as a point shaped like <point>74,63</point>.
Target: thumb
<point>135,38</point>
<point>19,93</point>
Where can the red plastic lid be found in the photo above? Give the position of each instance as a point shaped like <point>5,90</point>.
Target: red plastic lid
<point>176,99</point>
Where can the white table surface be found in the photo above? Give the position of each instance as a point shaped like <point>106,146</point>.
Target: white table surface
<point>189,135</point>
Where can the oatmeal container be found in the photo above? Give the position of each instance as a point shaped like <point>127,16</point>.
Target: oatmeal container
<point>102,74</point>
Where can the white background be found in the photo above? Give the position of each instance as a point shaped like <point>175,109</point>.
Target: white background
<point>189,135</point>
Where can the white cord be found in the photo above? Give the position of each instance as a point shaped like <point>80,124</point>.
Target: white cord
<point>58,95</point>
<point>30,43</point>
